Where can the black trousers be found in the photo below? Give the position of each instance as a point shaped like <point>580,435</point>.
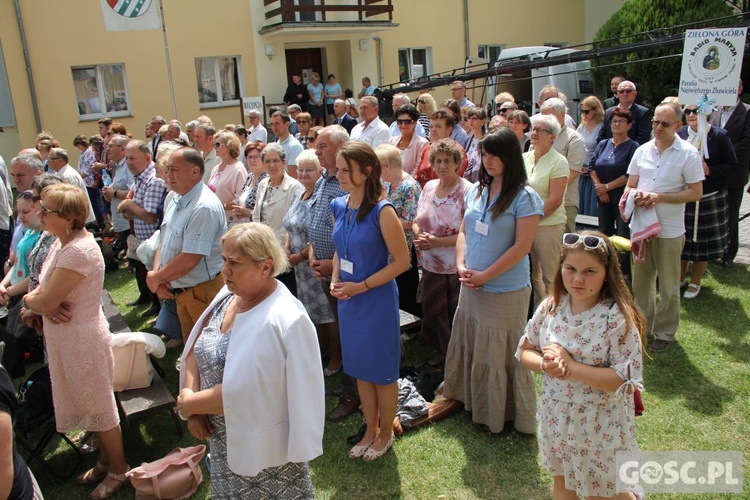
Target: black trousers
<point>734,200</point>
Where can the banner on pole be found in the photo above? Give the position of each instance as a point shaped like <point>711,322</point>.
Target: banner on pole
<point>711,65</point>
<point>128,15</point>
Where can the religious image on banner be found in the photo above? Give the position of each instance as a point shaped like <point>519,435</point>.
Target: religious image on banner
<point>711,65</point>
<point>128,15</point>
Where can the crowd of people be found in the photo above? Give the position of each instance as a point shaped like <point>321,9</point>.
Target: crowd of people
<point>320,236</point>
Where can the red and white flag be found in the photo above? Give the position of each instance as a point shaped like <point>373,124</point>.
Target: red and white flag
<point>127,15</point>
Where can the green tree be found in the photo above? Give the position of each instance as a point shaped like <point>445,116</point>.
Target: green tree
<point>658,78</point>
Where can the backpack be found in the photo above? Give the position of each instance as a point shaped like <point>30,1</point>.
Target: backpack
<point>34,401</point>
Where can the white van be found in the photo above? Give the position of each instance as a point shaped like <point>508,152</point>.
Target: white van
<point>571,78</point>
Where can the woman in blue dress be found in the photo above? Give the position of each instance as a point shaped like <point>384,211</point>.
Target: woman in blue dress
<point>366,233</point>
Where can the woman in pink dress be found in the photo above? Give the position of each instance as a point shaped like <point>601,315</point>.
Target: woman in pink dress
<point>79,344</point>
<point>439,216</point>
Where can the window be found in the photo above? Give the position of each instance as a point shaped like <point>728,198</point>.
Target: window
<point>307,16</point>
<point>490,52</point>
<point>101,90</point>
<point>414,63</point>
<point>219,81</point>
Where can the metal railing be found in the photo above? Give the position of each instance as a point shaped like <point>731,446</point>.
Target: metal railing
<point>288,10</point>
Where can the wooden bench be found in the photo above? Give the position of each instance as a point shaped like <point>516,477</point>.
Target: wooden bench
<point>408,321</point>
<point>139,402</point>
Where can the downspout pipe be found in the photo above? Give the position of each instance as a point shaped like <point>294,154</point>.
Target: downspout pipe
<point>381,68</point>
<point>466,28</point>
<point>27,61</point>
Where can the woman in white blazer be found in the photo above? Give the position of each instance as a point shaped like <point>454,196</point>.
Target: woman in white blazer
<point>251,379</point>
<point>276,193</point>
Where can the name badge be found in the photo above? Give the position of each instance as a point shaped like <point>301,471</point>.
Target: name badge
<point>347,266</point>
<point>482,228</point>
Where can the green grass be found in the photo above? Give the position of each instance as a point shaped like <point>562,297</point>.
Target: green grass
<point>697,398</point>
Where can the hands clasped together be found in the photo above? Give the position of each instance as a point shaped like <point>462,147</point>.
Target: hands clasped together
<point>556,361</point>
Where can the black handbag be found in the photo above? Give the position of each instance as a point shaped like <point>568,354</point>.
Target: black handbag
<point>15,325</point>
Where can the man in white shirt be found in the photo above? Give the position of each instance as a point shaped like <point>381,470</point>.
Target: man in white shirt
<point>256,131</point>
<point>58,164</point>
<point>398,101</point>
<point>667,172</point>
<point>371,130</point>
<point>204,142</point>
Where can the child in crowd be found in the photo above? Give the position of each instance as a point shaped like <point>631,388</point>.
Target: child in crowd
<point>585,338</point>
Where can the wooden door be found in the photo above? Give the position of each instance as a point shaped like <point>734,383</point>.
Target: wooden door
<point>299,59</point>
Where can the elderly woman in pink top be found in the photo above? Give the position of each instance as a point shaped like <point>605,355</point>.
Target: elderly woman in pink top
<point>228,177</point>
<point>439,215</point>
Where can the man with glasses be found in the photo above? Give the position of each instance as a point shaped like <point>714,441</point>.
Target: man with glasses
<point>641,129</point>
<point>122,182</point>
<point>506,108</point>
<point>280,125</point>
<point>458,92</point>
<point>256,132</point>
<point>665,173</point>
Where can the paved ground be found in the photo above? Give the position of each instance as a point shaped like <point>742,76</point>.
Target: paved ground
<point>743,255</point>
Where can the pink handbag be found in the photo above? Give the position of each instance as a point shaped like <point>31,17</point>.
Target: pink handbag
<point>175,476</point>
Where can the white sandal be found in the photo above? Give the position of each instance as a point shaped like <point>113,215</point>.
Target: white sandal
<point>692,291</point>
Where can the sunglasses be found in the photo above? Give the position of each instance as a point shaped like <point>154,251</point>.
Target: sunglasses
<point>586,111</point>
<point>691,111</point>
<point>504,110</point>
<point>310,137</point>
<point>217,144</point>
<point>625,91</point>
<point>421,101</point>
<point>590,242</point>
<point>405,122</point>
<point>47,211</point>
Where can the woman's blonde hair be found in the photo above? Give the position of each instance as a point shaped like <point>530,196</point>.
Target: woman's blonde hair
<point>71,201</point>
<point>259,242</point>
<point>430,106</point>
<point>614,287</point>
<point>390,155</point>
<point>231,140</point>
<point>594,103</point>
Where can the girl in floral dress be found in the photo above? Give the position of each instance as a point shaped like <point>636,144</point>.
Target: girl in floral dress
<point>585,338</point>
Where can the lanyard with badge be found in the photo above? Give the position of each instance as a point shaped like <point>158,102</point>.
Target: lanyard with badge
<point>346,265</point>
<point>481,227</point>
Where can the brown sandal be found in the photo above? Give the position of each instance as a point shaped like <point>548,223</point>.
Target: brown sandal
<point>104,491</point>
<point>94,474</point>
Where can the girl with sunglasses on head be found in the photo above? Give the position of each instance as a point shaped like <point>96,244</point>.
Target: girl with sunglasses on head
<point>586,340</point>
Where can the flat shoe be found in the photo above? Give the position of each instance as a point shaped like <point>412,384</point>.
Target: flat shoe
<point>692,291</point>
<point>94,474</point>
<point>372,454</point>
<point>104,491</point>
<point>359,450</point>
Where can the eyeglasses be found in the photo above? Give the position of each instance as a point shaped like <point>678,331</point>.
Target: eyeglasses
<point>663,124</point>
<point>586,111</point>
<point>272,160</point>
<point>421,101</point>
<point>590,242</point>
<point>306,170</point>
<point>504,110</point>
<point>625,91</point>
<point>47,211</point>
<point>464,118</point>
<point>405,122</point>
<point>253,157</point>
<point>301,121</point>
<point>618,122</point>
<point>691,111</point>
<point>540,129</point>
<point>26,195</point>
<point>311,137</point>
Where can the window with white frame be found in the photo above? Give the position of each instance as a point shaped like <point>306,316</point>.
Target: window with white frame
<point>101,90</point>
<point>414,63</point>
<point>490,52</point>
<point>219,81</point>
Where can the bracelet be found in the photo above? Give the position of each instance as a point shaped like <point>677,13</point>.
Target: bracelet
<point>541,365</point>
<point>606,186</point>
<point>366,285</point>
